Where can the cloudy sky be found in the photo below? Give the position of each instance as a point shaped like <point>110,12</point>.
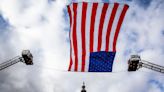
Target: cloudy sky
<point>42,26</point>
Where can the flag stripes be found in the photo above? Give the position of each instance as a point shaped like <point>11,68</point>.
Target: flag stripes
<point>94,27</point>
<point>104,9</point>
<point>94,9</point>
<point>70,14</point>
<point>110,25</point>
<point>84,9</point>
<point>119,26</point>
<point>74,35</point>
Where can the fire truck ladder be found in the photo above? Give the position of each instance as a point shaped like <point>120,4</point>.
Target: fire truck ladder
<point>26,58</point>
<point>136,63</point>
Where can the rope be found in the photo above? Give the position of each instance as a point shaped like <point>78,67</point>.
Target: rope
<point>50,68</point>
<point>114,72</point>
<point>60,70</point>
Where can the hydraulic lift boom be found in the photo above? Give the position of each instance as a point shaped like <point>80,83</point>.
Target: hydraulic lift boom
<point>136,63</point>
<point>26,58</point>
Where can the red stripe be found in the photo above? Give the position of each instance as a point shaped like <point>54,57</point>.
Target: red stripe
<point>70,15</point>
<point>84,9</point>
<point>94,9</point>
<point>110,25</point>
<point>105,7</point>
<point>70,64</point>
<point>74,36</point>
<point>119,26</point>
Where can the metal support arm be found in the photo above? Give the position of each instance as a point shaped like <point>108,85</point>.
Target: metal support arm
<point>136,63</point>
<point>26,58</point>
<point>151,66</point>
<point>11,62</point>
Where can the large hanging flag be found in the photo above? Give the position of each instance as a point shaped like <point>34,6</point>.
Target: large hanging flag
<point>93,36</point>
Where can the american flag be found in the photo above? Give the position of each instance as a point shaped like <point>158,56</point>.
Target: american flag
<point>93,36</point>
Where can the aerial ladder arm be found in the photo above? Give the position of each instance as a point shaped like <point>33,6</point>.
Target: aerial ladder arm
<point>136,63</point>
<point>151,66</point>
<point>26,58</point>
<point>10,62</point>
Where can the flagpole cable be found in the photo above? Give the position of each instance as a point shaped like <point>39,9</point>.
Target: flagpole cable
<point>62,70</point>
<point>50,68</point>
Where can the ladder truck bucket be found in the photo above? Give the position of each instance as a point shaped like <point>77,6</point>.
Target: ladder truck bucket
<point>133,62</point>
<point>27,56</point>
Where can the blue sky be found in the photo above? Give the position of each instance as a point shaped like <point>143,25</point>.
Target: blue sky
<point>3,23</point>
<point>43,27</point>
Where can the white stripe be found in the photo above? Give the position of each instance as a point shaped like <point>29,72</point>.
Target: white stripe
<point>87,34</point>
<point>96,26</point>
<point>105,27</point>
<point>71,38</point>
<point>114,26</point>
<point>78,35</point>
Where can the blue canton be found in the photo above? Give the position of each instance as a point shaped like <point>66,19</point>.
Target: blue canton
<point>101,61</point>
